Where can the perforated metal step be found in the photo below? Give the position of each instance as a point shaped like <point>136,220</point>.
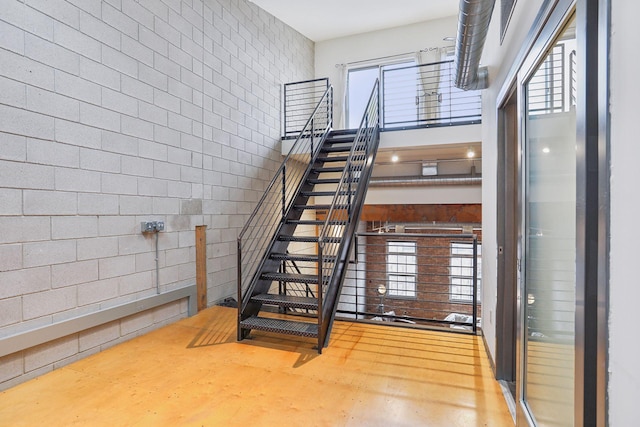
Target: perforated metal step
<point>327,159</point>
<point>310,222</point>
<point>328,169</point>
<point>340,139</point>
<point>299,257</point>
<point>290,277</point>
<point>319,207</point>
<point>307,239</point>
<point>336,149</point>
<point>328,180</point>
<point>290,301</point>
<point>325,193</point>
<point>303,329</point>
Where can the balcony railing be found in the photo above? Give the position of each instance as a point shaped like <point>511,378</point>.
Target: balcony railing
<point>425,96</point>
<point>430,280</point>
<point>411,97</point>
<point>300,99</point>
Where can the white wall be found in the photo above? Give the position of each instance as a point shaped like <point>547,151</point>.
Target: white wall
<point>432,195</point>
<point>624,289</point>
<point>113,112</point>
<point>404,40</point>
<point>498,58</point>
<point>408,39</point>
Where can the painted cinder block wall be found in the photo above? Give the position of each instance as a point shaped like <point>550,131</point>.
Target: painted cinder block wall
<point>118,111</point>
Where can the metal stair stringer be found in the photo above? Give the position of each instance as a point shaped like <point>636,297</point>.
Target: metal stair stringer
<point>315,289</point>
<point>258,293</point>
<point>334,287</point>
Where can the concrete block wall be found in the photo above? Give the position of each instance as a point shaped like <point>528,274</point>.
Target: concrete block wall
<point>118,111</point>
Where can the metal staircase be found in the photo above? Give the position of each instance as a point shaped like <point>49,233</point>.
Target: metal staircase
<point>293,251</point>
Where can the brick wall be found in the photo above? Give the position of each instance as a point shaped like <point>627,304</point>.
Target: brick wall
<point>117,111</point>
<point>432,299</point>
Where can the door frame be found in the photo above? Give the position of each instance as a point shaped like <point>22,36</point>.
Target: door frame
<point>508,232</point>
<point>592,207</point>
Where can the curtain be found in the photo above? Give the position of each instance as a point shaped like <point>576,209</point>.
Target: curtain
<point>340,98</point>
<point>429,99</point>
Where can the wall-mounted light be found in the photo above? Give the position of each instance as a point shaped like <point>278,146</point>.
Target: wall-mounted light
<point>471,153</point>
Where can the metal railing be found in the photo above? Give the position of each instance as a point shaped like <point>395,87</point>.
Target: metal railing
<point>337,233</point>
<point>424,96</point>
<point>300,99</point>
<point>411,97</point>
<point>546,92</point>
<point>260,230</point>
<point>429,280</point>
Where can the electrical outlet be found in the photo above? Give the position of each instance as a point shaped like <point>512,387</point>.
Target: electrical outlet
<point>151,226</point>
<point>147,226</point>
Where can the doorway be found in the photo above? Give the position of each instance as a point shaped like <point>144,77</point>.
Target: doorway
<point>508,235</point>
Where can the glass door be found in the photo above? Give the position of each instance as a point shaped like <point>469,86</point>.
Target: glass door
<point>548,295</point>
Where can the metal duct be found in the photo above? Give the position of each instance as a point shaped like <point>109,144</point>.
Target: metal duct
<point>413,181</point>
<point>473,25</point>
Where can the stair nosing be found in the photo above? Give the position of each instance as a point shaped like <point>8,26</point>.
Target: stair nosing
<point>305,329</point>
<point>290,301</point>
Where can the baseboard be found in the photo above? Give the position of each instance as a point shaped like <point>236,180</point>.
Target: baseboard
<point>24,340</point>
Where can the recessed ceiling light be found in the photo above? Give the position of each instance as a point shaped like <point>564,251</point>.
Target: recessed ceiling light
<point>394,158</point>
<point>546,150</point>
<point>470,153</point>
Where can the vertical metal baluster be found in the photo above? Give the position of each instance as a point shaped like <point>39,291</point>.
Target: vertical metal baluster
<point>239,289</point>
<point>475,284</point>
<point>284,188</point>
<point>313,131</point>
<point>320,280</point>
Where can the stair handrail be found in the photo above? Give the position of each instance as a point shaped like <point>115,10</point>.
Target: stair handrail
<point>259,230</point>
<point>344,212</point>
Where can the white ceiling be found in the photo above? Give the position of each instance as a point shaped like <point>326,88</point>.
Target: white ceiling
<point>328,19</point>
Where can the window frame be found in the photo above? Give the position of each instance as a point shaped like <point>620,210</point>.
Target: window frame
<point>381,67</point>
<point>396,292</point>
<point>459,296</point>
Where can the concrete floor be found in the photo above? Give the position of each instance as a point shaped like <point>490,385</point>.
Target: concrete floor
<point>194,372</point>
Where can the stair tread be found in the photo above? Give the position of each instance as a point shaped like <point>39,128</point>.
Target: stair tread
<point>328,169</point>
<point>311,222</point>
<point>291,327</point>
<point>307,239</point>
<point>326,149</point>
<point>291,277</point>
<point>340,139</point>
<point>325,193</point>
<point>298,257</point>
<point>319,207</point>
<point>328,180</point>
<point>291,301</point>
<point>327,159</point>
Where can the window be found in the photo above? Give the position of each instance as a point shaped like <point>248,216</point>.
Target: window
<point>401,269</point>
<point>461,272</point>
<point>360,84</point>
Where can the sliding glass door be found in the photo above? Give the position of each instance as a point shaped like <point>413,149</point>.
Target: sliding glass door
<point>548,295</point>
